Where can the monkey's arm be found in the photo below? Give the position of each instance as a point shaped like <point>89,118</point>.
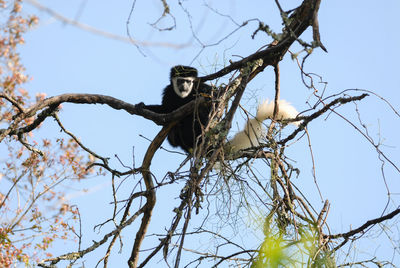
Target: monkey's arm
<point>205,89</point>
<point>154,108</point>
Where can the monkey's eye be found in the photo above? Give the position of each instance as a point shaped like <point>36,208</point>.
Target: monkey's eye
<point>185,80</point>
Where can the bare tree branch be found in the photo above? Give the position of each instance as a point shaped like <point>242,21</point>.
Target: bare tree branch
<point>365,225</point>
<point>96,31</point>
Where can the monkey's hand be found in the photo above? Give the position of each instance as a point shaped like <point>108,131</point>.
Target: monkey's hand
<point>140,106</point>
<point>153,108</point>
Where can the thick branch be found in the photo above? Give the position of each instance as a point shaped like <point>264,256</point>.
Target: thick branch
<point>300,20</point>
<point>160,119</point>
<point>150,195</point>
<point>51,104</point>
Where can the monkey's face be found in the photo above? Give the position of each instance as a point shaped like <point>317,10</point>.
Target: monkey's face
<point>183,85</point>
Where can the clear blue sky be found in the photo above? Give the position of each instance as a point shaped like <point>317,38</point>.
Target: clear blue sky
<point>362,40</point>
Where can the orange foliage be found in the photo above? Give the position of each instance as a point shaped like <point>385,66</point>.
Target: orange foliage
<point>27,230</point>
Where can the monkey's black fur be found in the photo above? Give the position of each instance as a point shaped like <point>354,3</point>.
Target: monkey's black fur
<point>185,132</point>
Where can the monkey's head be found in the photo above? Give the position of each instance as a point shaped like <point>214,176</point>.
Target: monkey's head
<point>182,79</point>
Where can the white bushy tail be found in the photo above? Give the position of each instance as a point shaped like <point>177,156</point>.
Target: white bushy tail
<point>253,130</point>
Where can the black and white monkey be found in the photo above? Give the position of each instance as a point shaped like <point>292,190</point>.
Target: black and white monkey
<point>184,87</point>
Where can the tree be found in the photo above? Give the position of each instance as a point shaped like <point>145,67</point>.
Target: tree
<point>259,184</point>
